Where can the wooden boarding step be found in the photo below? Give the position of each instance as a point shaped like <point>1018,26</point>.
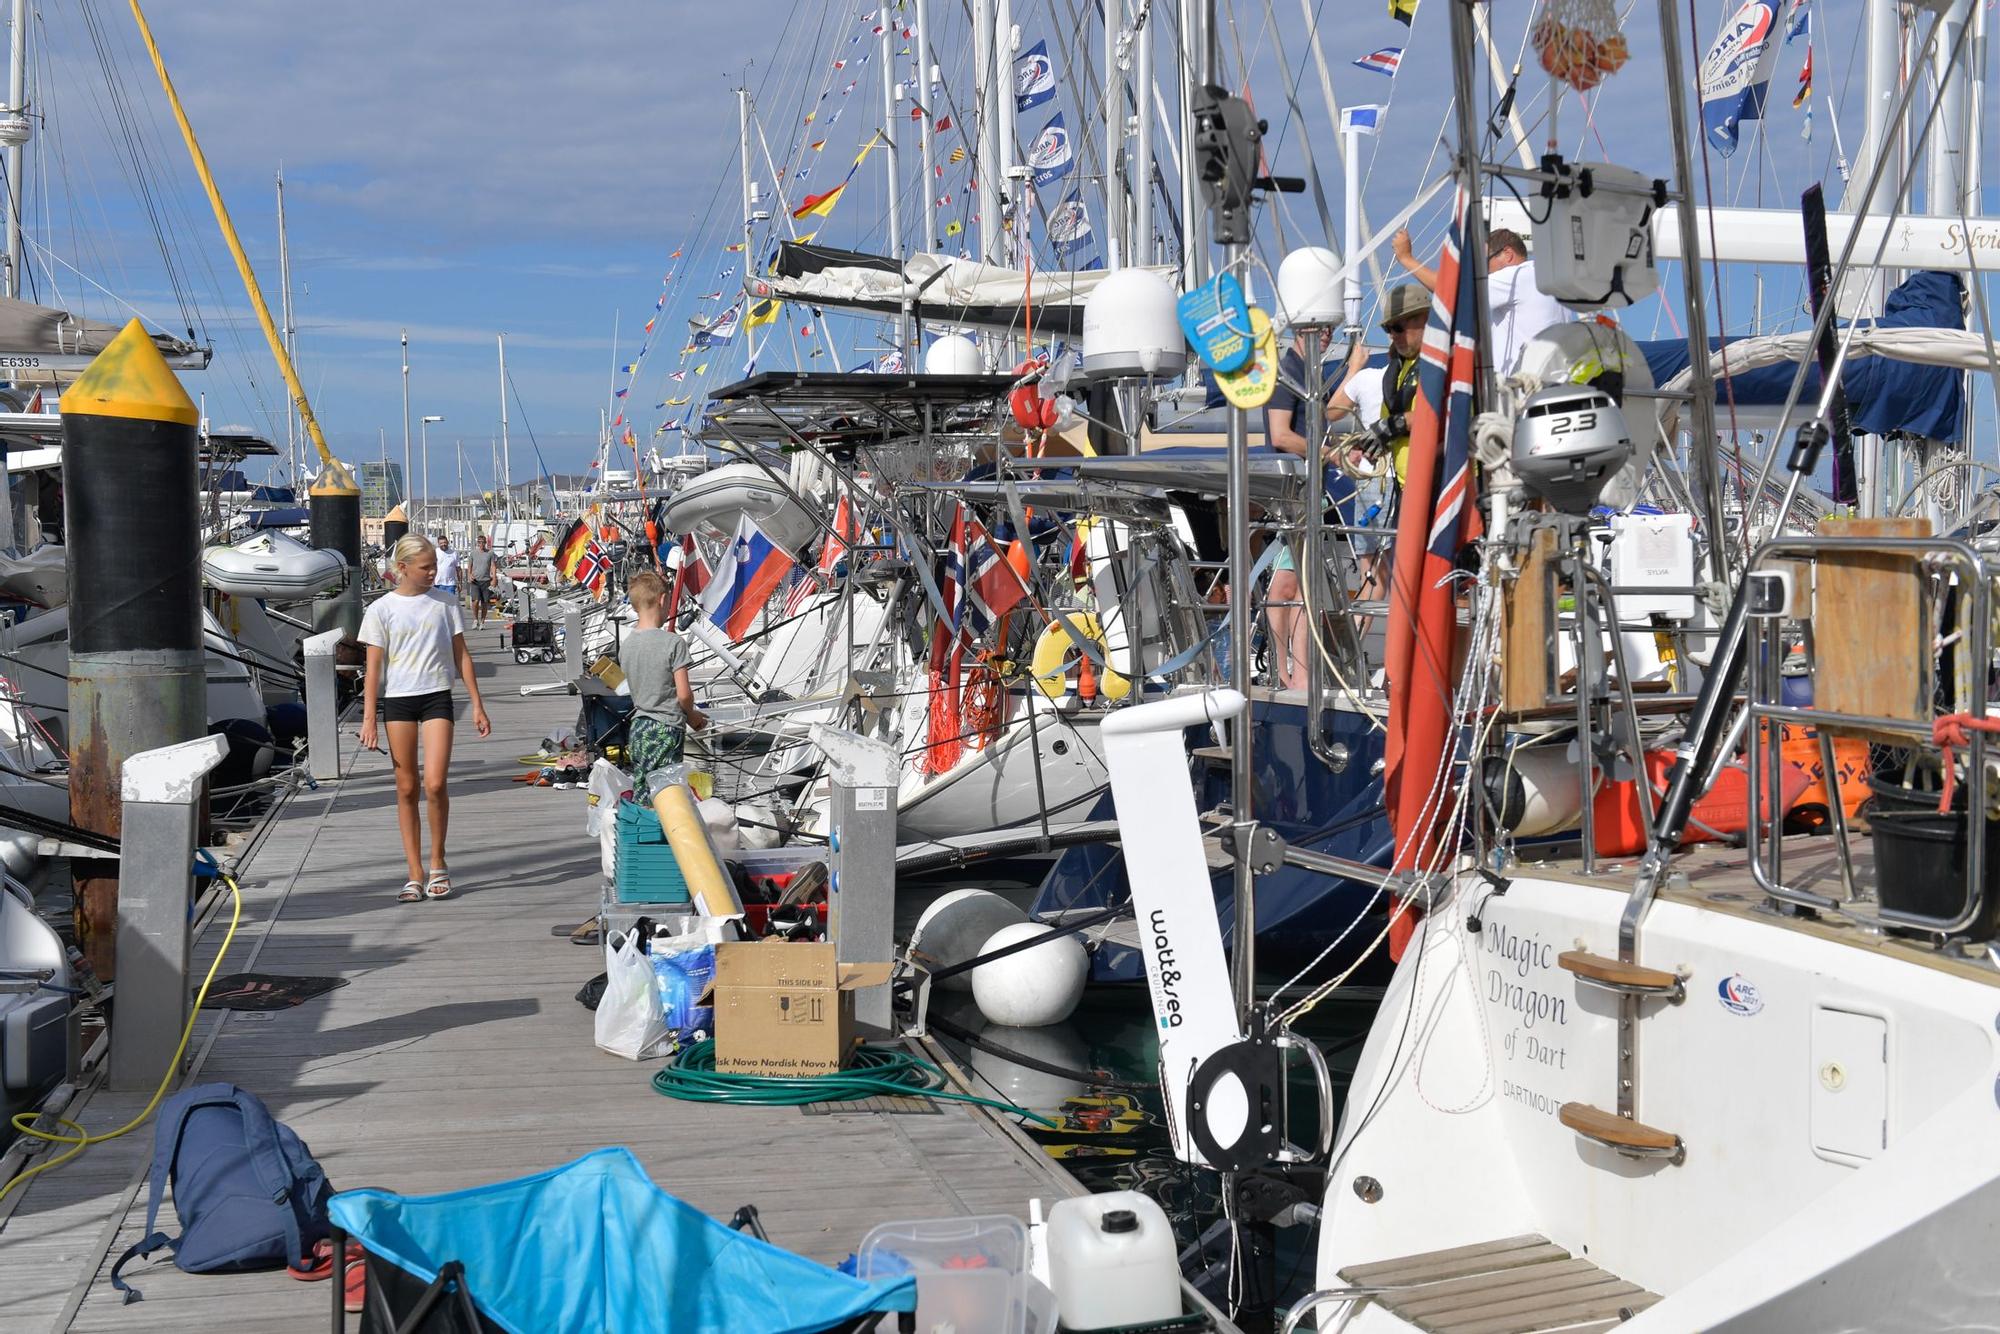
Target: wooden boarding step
<point>1616,975</point>
<point>1520,1285</point>
<point>1629,1137</point>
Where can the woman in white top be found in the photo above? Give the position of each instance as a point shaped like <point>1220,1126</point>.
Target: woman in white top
<point>415,640</point>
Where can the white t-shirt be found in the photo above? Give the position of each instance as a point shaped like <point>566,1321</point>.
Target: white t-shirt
<point>414,634</point>
<point>1519,310</point>
<point>1364,391</point>
<point>447,568</point>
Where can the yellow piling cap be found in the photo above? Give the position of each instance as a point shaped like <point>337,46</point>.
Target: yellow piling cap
<point>396,514</point>
<point>335,479</point>
<point>130,378</point>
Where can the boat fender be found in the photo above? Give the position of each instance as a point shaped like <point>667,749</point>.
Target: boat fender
<point>1053,650</point>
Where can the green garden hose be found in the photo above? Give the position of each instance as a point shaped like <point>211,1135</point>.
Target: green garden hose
<point>876,1070</point>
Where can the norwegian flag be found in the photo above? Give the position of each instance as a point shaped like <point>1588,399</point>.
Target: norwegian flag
<point>978,588</point>
<point>1438,519</point>
<point>592,566</point>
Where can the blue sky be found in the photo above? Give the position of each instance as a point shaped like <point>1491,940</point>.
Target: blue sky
<point>464,168</point>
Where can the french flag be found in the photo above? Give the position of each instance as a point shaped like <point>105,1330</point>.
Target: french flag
<point>745,580</point>
<point>1384,61</point>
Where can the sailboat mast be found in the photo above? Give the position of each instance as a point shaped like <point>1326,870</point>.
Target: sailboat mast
<point>15,135</point>
<point>506,452</point>
<point>926,151</point>
<point>290,330</point>
<point>1196,67</point>
<point>986,156</point>
<point>1114,137</point>
<point>885,53</point>
<point>403,491</point>
<point>1143,250</point>
<point>1011,197</point>
<point>749,209</point>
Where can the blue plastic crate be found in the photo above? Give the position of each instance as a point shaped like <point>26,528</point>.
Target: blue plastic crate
<point>645,869</point>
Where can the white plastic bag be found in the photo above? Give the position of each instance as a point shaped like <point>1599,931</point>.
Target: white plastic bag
<point>607,783</point>
<point>629,1019</point>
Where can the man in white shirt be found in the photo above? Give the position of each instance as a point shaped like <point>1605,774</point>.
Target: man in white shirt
<point>447,579</point>
<point>1516,308</point>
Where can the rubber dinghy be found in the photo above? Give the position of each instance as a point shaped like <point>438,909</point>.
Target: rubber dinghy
<point>273,566</point>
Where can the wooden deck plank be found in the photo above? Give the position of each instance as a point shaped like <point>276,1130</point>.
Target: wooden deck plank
<point>1455,1262</point>
<point>457,1056</point>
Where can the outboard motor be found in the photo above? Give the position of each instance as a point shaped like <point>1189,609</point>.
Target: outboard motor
<point>1569,442</point>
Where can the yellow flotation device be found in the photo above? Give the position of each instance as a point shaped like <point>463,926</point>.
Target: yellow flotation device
<point>1055,652</point>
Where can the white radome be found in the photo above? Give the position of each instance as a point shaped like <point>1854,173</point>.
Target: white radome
<point>954,354</point>
<point>1131,327</point>
<point>1309,288</point>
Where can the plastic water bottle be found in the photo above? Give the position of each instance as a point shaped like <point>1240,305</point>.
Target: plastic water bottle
<point>1112,1261</point>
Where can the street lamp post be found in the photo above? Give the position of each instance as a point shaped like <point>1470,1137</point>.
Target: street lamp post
<point>424,438</point>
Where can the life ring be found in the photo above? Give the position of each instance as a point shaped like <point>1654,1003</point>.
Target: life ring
<point>1054,652</point>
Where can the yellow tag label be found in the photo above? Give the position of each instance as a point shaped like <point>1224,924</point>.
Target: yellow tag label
<point>1253,386</point>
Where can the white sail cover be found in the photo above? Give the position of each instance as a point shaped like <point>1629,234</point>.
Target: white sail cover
<point>952,290</point>
<point>29,329</point>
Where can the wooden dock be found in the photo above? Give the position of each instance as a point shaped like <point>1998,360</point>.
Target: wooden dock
<point>457,1055</point>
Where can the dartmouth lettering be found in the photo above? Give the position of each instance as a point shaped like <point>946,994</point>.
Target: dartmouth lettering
<point>1165,969</point>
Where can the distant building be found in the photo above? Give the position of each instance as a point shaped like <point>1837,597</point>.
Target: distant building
<point>381,488</point>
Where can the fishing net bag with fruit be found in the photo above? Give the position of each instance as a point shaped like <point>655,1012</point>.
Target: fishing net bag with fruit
<point>1578,42</point>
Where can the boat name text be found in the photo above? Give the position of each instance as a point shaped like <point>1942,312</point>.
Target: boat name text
<point>1960,239</point>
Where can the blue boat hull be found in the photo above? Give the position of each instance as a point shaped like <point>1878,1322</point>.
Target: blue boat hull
<point>1300,914</point>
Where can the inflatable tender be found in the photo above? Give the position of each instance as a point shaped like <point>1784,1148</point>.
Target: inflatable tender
<point>273,566</point>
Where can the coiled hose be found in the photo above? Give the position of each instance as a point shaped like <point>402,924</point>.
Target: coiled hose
<point>876,1070</point>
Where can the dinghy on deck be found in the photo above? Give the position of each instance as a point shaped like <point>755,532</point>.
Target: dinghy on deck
<point>271,565</point>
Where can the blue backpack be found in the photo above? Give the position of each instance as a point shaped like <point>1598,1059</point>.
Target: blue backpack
<point>247,1190</point>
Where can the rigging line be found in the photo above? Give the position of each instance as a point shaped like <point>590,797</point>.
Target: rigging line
<point>1331,232</point>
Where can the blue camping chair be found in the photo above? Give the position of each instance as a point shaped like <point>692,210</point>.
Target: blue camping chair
<point>590,1246</point>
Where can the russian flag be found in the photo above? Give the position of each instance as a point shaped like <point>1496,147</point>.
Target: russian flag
<point>745,580</point>
<point>1384,61</point>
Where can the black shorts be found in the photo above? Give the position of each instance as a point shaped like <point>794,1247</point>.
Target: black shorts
<point>481,588</point>
<point>417,708</point>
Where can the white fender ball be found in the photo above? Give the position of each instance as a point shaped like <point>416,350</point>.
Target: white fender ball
<point>952,929</point>
<point>1035,987</point>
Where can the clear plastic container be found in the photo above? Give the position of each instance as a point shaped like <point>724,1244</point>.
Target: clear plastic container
<point>972,1273</point>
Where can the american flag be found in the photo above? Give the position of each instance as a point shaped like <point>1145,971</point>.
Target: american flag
<point>820,577</point>
<point>1438,518</point>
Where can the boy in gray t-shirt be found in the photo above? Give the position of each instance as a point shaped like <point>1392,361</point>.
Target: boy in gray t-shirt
<point>655,660</point>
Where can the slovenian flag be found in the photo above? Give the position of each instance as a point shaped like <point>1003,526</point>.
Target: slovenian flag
<point>1385,61</point>
<point>745,580</point>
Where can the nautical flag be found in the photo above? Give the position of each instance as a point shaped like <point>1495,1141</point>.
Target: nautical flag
<point>650,323</point>
<point>953,228</point>
<point>678,376</point>
<point>1801,21</point>
<point>1736,73</point>
<point>701,369</point>
<point>745,580</point>
<point>676,402</point>
<point>891,364</point>
<point>1805,82</point>
<point>570,550</point>
<point>1050,157</point>
<point>1034,77</point>
<point>944,200</point>
<point>958,153</point>
<point>820,205</point>
<point>1364,119</point>
<point>690,571</point>
<point>1403,11</point>
<point>675,255</point>
<point>943,124</point>
<point>816,145</point>
<point>764,312</point>
<point>978,588</point>
<point>734,248</point>
<point>830,552</point>
<point>710,296</point>
<point>840,64</point>
<point>1069,224</point>
<point>632,369</point>
<point>620,393</point>
<point>1438,517</point>
<point>1385,60</point>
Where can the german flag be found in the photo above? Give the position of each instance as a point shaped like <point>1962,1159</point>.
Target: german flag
<point>569,551</point>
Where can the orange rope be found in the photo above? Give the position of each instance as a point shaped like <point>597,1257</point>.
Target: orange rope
<point>1949,732</point>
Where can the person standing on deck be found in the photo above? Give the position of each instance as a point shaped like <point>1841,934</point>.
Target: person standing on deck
<point>655,660</point>
<point>447,578</point>
<point>1284,427</point>
<point>415,638</point>
<point>482,579</point>
<point>1516,307</point>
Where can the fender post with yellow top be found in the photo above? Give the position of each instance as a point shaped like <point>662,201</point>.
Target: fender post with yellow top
<point>137,680</point>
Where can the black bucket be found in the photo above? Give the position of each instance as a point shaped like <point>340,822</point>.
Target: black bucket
<point>1920,865</point>
<point>1889,795</point>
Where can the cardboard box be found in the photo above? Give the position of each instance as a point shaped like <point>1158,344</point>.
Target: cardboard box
<point>786,1008</point>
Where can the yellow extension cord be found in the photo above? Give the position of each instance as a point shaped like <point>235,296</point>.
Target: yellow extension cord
<point>24,1121</point>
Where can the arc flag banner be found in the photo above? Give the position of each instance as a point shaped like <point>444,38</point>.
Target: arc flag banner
<point>1069,224</point>
<point>1034,77</point>
<point>744,581</point>
<point>1735,75</point>
<point>1439,516</point>
<point>1050,157</point>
